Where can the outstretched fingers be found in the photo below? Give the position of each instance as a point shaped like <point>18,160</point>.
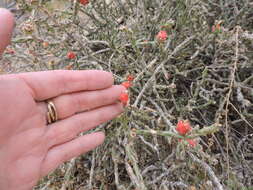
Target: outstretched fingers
<point>68,129</point>
<point>49,84</point>
<point>72,103</point>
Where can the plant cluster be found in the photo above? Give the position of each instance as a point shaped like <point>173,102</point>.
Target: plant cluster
<point>189,121</point>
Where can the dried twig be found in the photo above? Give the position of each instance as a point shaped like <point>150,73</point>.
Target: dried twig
<point>227,100</point>
<point>208,170</point>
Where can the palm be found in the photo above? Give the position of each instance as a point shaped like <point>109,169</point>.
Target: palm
<point>29,147</point>
<point>23,143</point>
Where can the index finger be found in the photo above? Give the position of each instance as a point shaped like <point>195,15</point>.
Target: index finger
<point>48,84</point>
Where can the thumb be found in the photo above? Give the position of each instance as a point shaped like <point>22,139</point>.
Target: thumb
<point>6,27</point>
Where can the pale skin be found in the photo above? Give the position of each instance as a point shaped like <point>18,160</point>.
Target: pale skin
<point>29,147</point>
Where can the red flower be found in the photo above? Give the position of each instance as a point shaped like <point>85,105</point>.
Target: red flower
<point>84,2</point>
<point>183,127</point>
<point>191,142</point>
<point>162,36</point>
<point>124,98</point>
<point>71,55</point>
<point>130,77</point>
<point>126,84</point>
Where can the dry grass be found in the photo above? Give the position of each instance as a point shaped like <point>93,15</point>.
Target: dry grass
<point>199,75</point>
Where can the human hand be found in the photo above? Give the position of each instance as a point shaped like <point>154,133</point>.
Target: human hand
<point>29,147</point>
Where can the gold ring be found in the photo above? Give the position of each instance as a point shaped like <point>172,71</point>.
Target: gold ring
<point>51,112</point>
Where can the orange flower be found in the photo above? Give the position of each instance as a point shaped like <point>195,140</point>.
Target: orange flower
<point>162,36</point>
<point>183,127</point>
<point>216,28</point>
<point>45,44</point>
<point>130,77</point>
<point>126,84</point>
<point>84,2</point>
<point>123,98</point>
<point>191,142</point>
<point>71,55</point>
